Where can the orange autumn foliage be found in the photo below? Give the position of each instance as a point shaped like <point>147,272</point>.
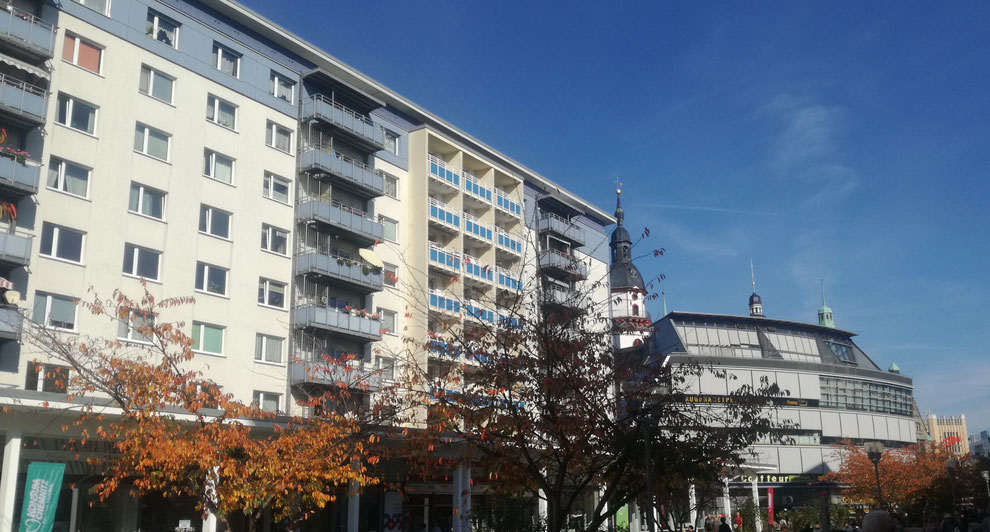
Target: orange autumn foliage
<point>906,475</point>
<point>176,433</point>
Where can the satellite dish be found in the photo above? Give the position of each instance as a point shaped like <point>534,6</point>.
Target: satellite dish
<point>12,297</point>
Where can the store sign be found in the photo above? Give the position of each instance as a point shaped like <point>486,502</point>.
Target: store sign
<point>44,480</point>
<point>777,479</point>
<point>728,399</point>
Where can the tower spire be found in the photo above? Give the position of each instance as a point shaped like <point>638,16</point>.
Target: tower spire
<point>825,318</point>
<point>619,214</point>
<point>755,303</point>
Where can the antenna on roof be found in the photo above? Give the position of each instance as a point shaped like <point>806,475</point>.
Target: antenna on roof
<point>752,274</point>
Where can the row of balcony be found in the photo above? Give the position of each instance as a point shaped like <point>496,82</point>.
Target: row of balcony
<point>453,262</point>
<point>22,101</point>
<point>358,128</point>
<point>306,370</point>
<point>562,265</point>
<point>508,242</point>
<point>353,222</point>
<point>346,323</point>
<point>352,175</point>
<point>32,36</point>
<point>473,187</point>
<point>503,202</point>
<point>563,228</point>
<point>451,307</point>
<point>358,275</point>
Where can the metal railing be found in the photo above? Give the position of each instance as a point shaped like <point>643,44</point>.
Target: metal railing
<point>503,202</point>
<point>38,30</point>
<point>444,257</point>
<point>477,228</point>
<point>474,187</point>
<point>329,150</point>
<point>347,111</point>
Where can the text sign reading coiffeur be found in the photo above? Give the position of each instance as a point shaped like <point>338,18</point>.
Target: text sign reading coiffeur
<point>44,480</point>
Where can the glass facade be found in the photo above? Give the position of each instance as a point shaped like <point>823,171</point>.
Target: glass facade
<point>866,396</point>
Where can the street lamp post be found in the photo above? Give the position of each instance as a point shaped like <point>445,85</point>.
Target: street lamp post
<point>950,465</point>
<point>874,450</point>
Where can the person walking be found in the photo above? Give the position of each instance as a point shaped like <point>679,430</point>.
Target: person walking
<point>738,521</point>
<point>724,527</point>
<point>709,523</point>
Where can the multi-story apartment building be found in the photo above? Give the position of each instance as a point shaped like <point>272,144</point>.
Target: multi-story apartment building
<point>951,430</point>
<point>199,149</point>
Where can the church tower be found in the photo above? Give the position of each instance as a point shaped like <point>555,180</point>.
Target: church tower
<point>630,321</point>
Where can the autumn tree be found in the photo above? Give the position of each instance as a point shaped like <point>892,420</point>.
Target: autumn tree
<point>527,383</point>
<point>176,433</point>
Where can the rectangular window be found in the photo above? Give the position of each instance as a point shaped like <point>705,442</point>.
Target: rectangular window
<point>100,6</point>
<point>162,29</point>
<point>207,338</point>
<point>221,112</point>
<point>387,367</point>
<point>282,87</point>
<point>141,262</point>
<point>268,348</point>
<point>226,60</point>
<point>211,279</point>
<point>54,311</point>
<point>147,201</point>
<point>75,114</point>
<point>274,239</point>
<point>61,242</point>
<point>151,142</point>
<point>82,53</point>
<point>68,177</point>
<point>219,167</point>
<point>271,293</point>
<point>391,142</point>
<point>391,186</point>
<point>213,221</point>
<point>267,401</point>
<point>388,320</point>
<point>278,137</point>
<point>155,84</point>
<point>276,188</point>
<point>391,274</point>
<point>138,327</point>
<point>47,378</point>
<point>391,228</point>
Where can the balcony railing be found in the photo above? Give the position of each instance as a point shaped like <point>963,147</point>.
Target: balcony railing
<point>475,269</point>
<point>444,258</point>
<point>558,295</point>
<point>563,263</point>
<point>474,188</point>
<point>507,241</point>
<point>550,222</point>
<point>503,202</point>
<point>507,280</point>
<point>24,100</point>
<point>476,228</point>
<point>330,373</point>
<point>19,177</point>
<point>11,323</point>
<point>338,321</point>
<point>440,172</point>
<point>27,32</point>
<point>443,348</point>
<point>478,311</point>
<point>439,300</point>
<point>442,214</point>
<point>359,274</point>
<point>336,214</point>
<point>15,249</point>
<point>355,175</point>
<point>357,125</point>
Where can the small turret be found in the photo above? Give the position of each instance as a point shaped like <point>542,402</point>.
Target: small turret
<point>825,313</point>
<point>894,368</point>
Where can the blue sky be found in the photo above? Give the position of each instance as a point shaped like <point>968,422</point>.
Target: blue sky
<point>841,141</point>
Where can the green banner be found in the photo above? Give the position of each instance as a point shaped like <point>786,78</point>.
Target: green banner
<point>44,480</point>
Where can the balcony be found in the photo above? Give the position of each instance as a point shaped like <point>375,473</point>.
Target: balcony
<point>506,280</point>
<point>476,229</point>
<point>475,190</point>
<point>32,37</point>
<point>558,264</point>
<point>357,127</point>
<point>338,321</point>
<point>352,222</point>
<point>351,175</point>
<point>441,174</point>
<point>444,258</point>
<point>554,294</point>
<point>443,217</point>
<point>21,101</point>
<point>475,270</point>
<point>507,241</point>
<point>563,228</point>
<point>476,310</point>
<point>359,275</point>
<point>441,302</point>
<point>443,348</point>
<point>332,374</point>
<point>19,179</point>
<point>11,323</point>
<point>505,204</point>
<point>15,250</point>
